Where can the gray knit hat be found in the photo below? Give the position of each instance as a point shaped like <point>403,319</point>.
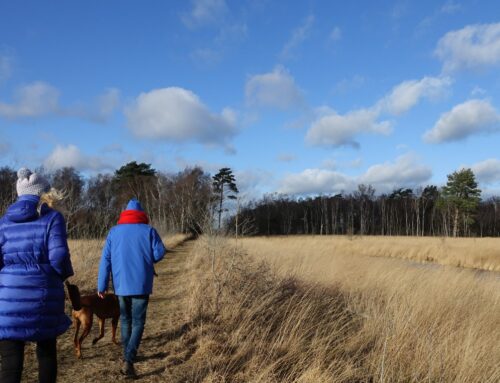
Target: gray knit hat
<point>31,183</point>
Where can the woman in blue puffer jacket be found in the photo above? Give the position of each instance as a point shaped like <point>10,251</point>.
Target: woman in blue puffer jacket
<point>34,262</point>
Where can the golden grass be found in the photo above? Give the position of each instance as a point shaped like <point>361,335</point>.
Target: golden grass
<point>306,315</point>
<point>86,255</point>
<point>314,310</point>
<point>477,253</point>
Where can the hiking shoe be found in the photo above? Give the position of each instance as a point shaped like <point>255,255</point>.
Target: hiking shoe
<point>128,370</point>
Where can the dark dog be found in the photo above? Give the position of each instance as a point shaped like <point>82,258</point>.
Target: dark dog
<point>84,309</point>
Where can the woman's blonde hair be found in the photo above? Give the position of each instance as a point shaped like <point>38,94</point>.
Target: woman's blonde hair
<point>52,198</point>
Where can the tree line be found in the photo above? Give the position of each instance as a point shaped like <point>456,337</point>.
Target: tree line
<point>456,209</point>
<point>186,201</point>
<point>191,201</point>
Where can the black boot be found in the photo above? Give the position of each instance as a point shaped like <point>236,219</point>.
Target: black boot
<point>128,370</point>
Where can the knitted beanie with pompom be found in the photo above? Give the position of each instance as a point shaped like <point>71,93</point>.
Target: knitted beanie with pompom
<point>31,183</point>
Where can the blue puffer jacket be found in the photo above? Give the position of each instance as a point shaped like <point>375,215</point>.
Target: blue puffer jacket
<point>34,262</point>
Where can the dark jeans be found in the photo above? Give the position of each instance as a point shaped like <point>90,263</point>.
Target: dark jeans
<point>12,358</point>
<point>133,318</point>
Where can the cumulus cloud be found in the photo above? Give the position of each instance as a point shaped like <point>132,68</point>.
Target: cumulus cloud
<point>178,115</point>
<point>316,181</point>
<point>334,130</point>
<point>472,47</point>
<point>71,156</point>
<point>487,171</point>
<point>299,35</point>
<point>405,171</point>
<point>204,12</point>
<point>469,118</point>
<point>251,183</point>
<point>407,94</point>
<point>32,100</point>
<point>276,89</point>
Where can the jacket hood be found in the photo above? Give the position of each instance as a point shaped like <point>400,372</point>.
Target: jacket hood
<point>133,204</point>
<point>24,209</point>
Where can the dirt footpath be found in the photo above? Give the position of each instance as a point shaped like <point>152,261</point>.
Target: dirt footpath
<point>165,344</point>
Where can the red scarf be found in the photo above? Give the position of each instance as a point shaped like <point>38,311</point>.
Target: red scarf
<point>133,216</point>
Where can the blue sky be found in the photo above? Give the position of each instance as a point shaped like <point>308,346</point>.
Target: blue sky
<point>299,97</point>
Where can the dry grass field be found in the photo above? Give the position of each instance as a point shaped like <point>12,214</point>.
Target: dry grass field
<point>414,322</point>
<point>269,310</point>
<point>476,253</point>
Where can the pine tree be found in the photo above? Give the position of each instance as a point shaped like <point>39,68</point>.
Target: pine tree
<point>462,193</point>
<point>224,186</point>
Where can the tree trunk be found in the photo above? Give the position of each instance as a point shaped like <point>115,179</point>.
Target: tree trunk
<point>455,223</point>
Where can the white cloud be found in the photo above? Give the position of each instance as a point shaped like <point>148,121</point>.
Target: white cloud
<point>176,114</point>
<point>32,100</point>
<point>276,89</point>
<point>333,129</point>
<point>71,156</point>
<point>299,35</point>
<point>472,47</point>
<point>407,94</point>
<point>204,12</point>
<point>251,183</point>
<point>316,181</point>
<point>469,118</point>
<point>487,171</point>
<point>335,34</point>
<point>405,171</point>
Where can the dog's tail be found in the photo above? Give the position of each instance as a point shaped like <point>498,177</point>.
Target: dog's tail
<point>74,296</point>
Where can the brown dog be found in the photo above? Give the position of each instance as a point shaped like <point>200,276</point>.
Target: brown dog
<point>84,309</point>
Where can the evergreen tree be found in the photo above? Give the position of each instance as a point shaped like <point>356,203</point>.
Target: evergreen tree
<point>134,180</point>
<point>463,195</point>
<point>224,186</point>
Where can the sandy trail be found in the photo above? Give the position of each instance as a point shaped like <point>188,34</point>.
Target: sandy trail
<point>165,343</point>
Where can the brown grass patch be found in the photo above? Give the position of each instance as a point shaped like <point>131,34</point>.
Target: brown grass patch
<point>475,253</point>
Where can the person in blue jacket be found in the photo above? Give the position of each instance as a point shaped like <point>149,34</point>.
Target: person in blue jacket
<point>129,254</point>
<point>34,262</point>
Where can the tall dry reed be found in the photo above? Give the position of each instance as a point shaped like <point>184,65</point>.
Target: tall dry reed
<point>311,316</point>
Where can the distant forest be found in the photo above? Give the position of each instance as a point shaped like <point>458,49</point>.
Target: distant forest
<point>176,202</point>
<point>453,210</point>
<point>192,201</point>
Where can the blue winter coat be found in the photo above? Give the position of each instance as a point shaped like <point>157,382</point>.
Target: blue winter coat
<point>129,254</point>
<point>34,262</point>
